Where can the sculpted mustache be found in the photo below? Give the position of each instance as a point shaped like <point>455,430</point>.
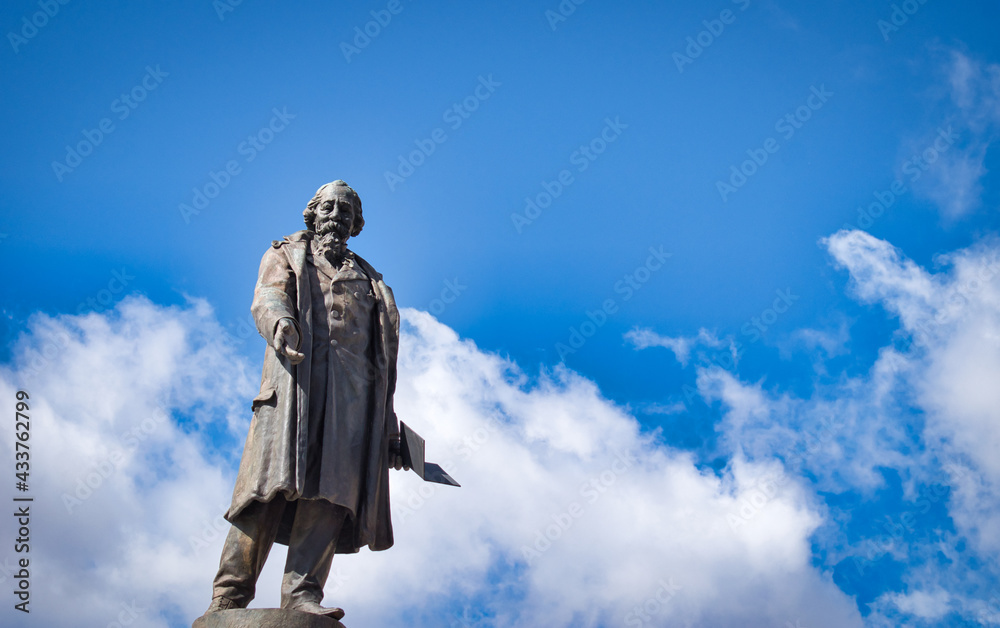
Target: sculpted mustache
<point>331,226</point>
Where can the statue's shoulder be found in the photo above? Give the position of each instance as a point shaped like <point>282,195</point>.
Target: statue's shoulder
<point>295,238</point>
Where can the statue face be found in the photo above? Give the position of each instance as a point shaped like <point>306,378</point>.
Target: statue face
<point>335,215</point>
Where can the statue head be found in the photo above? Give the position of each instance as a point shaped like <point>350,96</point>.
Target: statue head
<point>326,198</point>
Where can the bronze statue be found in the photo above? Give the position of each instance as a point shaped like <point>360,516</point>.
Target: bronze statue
<point>315,469</point>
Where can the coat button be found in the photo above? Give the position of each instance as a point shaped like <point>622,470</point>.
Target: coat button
<point>335,314</point>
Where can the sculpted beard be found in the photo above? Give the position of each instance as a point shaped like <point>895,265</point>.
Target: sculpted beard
<point>331,237</point>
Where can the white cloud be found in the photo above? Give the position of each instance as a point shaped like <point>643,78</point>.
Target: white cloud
<point>922,604</point>
<point>830,342</point>
<point>951,323</point>
<point>120,486</point>
<point>880,273</point>
<point>928,407</point>
<point>954,183</point>
<point>975,90</point>
<point>953,180</point>
<point>953,319</point>
<point>681,346</point>
<point>660,518</point>
<point>839,436</point>
<point>668,409</point>
<point>568,514</point>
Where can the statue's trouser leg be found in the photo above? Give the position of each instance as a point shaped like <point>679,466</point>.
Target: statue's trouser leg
<point>310,551</point>
<point>245,551</point>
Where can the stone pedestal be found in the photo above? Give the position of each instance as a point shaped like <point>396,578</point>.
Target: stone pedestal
<point>264,618</point>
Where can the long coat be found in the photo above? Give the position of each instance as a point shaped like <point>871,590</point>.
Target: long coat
<point>274,457</point>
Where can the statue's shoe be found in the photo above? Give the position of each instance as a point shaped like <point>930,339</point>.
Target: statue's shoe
<point>316,609</point>
<point>222,603</point>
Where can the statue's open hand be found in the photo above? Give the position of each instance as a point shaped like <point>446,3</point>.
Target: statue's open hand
<point>396,454</point>
<point>286,338</point>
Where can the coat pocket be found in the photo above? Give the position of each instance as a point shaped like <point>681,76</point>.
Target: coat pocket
<point>267,397</point>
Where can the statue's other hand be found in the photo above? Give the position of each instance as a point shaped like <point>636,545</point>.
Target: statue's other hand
<point>396,454</point>
<point>286,338</point>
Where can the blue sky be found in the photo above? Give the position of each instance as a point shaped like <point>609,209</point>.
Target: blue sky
<point>671,181</point>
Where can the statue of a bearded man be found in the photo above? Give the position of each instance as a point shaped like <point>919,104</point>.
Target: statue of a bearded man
<point>314,472</point>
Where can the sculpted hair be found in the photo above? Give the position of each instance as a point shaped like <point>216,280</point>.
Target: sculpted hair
<point>310,212</point>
